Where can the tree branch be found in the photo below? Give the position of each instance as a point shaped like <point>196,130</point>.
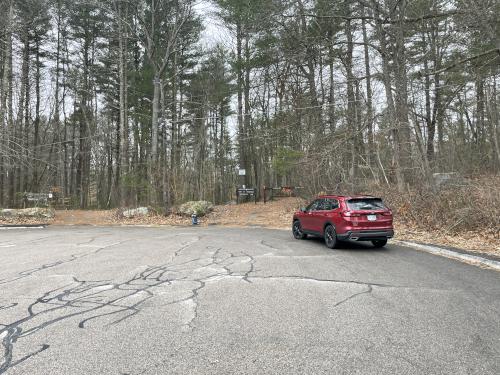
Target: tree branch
<point>381,20</point>
<point>461,62</point>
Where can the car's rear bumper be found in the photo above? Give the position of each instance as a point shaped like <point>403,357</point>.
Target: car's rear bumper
<point>366,235</point>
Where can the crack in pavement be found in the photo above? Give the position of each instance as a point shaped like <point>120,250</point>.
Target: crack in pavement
<point>28,356</point>
<point>368,291</point>
<point>185,246</point>
<point>8,306</point>
<point>194,299</point>
<point>7,342</point>
<point>54,300</point>
<point>264,243</point>
<point>91,301</point>
<point>228,273</point>
<point>28,242</point>
<point>339,281</point>
<point>72,257</point>
<point>82,294</point>
<point>246,276</point>
<point>321,280</point>
<point>92,239</point>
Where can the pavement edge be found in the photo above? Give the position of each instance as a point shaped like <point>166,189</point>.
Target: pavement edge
<point>464,257</point>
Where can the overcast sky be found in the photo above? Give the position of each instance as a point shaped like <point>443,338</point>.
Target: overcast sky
<point>215,32</point>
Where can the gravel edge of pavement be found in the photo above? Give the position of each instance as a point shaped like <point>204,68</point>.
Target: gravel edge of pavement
<point>23,226</point>
<point>485,260</point>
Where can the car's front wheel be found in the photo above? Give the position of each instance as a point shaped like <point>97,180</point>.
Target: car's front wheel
<point>297,231</point>
<point>330,237</point>
<point>379,243</point>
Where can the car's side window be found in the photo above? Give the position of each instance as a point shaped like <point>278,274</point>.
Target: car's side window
<point>331,204</point>
<point>327,205</point>
<point>314,205</point>
<point>309,208</point>
<point>321,205</point>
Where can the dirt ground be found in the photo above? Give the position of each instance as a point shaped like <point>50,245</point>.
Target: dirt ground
<point>276,214</point>
<point>471,241</point>
<point>83,217</point>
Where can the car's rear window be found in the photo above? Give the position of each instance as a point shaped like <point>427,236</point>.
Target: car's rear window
<point>365,204</point>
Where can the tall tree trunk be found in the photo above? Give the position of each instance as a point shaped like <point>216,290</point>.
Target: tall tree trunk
<point>85,112</point>
<point>331,95</point>
<point>67,166</point>
<point>173,110</point>
<point>480,115</point>
<point>8,102</point>
<point>59,139</point>
<point>401,82</point>
<point>116,196</point>
<point>35,183</point>
<point>165,181</point>
<point>387,81</point>
<point>431,125</point>
<point>19,134</point>
<point>6,162</point>
<point>239,88</point>
<point>314,117</point>
<point>436,119</point>
<point>72,173</point>
<point>28,162</point>
<point>154,137</point>
<point>123,72</point>
<point>369,95</point>
<point>430,113</point>
<point>495,120</point>
<point>351,104</point>
<point>222,154</point>
<point>248,130</point>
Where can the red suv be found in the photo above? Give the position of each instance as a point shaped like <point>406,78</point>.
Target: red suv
<point>340,218</point>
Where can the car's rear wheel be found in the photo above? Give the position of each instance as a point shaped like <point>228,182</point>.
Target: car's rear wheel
<point>379,243</point>
<point>297,231</point>
<point>330,237</point>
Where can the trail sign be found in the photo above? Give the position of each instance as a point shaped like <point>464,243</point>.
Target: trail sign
<point>246,192</point>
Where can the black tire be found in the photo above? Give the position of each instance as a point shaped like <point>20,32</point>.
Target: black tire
<point>298,234</point>
<point>330,237</point>
<point>379,243</point>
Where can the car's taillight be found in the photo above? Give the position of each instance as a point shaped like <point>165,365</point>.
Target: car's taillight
<point>387,213</point>
<point>350,214</point>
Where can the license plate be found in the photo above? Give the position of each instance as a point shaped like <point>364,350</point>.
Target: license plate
<point>372,217</point>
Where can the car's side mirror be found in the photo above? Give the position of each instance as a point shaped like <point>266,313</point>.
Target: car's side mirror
<point>303,209</point>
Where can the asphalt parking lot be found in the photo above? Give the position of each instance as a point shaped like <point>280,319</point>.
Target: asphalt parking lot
<point>129,300</point>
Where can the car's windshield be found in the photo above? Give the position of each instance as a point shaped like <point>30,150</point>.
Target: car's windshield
<point>366,204</point>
